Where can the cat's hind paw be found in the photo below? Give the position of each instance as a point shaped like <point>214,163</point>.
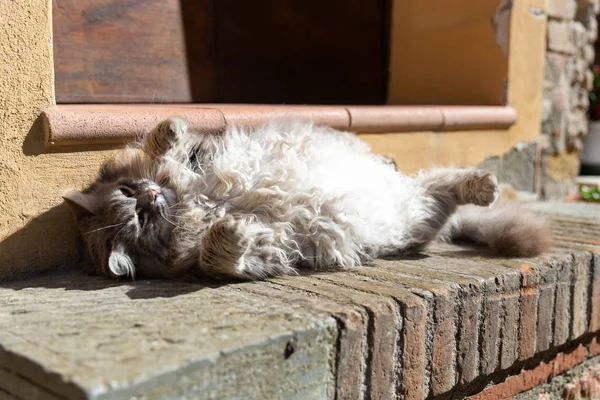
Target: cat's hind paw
<point>232,235</point>
<point>480,187</point>
<point>236,247</point>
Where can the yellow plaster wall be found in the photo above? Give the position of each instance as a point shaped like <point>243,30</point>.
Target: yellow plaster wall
<point>527,48</point>
<point>418,150</point>
<point>35,232</point>
<point>444,52</point>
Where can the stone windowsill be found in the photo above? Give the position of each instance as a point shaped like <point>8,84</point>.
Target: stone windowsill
<point>78,124</point>
<point>448,323</point>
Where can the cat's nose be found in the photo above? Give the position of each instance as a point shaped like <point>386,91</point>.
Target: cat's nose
<point>149,197</point>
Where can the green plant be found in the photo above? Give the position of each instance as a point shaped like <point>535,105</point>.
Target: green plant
<point>590,193</point>
<point>594,95</point>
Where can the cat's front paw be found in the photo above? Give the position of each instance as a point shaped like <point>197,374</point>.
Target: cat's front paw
<point>480,188</point>
<point>165,135</point>
<point>172,129</point>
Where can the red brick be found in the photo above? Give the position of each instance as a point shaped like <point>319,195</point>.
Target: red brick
<point>563,313</point>
<point>414,315</point>
<point>531,378</point>
<point>499,288</point>
<point>441,274</point>
<point>537,304</point>
<point>528,313</point>
<point>594,346</point>
<point>582,268</point>
<point>443,303</point>
<point>586,297</point>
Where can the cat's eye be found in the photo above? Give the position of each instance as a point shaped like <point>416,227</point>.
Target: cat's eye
<point>141,219</point>
<point>127,191</point>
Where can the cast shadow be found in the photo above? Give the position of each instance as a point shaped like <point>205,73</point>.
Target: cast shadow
<point>47,242</point>
<point>50,243</point>
<point>139,289</point>
<point>161,288</point>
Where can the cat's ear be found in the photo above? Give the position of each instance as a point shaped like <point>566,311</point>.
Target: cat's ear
<point>119,263</point>
<point>81,204</point>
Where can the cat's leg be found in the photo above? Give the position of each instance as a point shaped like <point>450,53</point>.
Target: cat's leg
<point>166,139</point>
<point>445,190</point>
<point>235,247</point>
<point>171,138</point>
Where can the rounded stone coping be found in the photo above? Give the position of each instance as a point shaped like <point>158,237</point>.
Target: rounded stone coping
<point>113,123</point>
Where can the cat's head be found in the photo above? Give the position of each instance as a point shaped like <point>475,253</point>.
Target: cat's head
<point>125,225</point>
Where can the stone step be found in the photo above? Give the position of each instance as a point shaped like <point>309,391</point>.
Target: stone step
<point>445,323</point>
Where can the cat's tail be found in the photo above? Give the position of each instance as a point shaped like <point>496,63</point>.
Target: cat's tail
<point>508,229</point>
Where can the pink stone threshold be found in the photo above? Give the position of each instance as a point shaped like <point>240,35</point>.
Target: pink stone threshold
<point>106,123</point>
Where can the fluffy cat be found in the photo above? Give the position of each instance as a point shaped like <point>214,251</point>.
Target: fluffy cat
<point>250,204</point>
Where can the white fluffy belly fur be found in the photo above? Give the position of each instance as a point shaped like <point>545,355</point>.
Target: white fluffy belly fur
<point>327,197</point>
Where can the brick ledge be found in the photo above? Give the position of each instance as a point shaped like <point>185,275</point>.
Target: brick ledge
<point>442,324</point>
<point>78,124</point>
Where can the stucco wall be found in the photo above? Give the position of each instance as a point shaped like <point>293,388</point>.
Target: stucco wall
<point>35,232</point>
<point>445,54</point>
<point>527,46</point>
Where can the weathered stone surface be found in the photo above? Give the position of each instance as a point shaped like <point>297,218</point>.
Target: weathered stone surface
<point>87,337</point>
<point>516,167</point>
<point>559,37</point>
<point>574,211</point>
<point>579,35</point>
<point>571,31</point>
<point>561,8</point>
<point>589,53</point>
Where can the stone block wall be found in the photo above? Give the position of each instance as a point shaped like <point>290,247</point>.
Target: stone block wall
<point>572,32</point>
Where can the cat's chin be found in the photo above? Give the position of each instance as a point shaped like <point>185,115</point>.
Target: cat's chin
<point>169,196</point>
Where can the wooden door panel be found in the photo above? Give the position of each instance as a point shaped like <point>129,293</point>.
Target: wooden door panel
<point>134,51</point>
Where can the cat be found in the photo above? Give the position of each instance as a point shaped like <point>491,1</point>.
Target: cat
<point>253,203</point>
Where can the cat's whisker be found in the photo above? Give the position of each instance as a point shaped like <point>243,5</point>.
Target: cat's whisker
<point>162,213</point>
<point>119,231</point>
<point>176,225</point>
<point>175,205</point>
<point>104,227</point>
